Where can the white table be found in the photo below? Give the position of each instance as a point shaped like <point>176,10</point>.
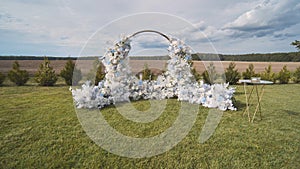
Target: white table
<point>259,95</point>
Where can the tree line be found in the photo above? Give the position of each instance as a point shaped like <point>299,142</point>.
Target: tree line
<point>254,57</point>
<point>35,58</point>
<point>46,75</point>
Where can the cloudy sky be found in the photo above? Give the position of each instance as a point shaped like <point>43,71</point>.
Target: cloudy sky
<point>71,27</point>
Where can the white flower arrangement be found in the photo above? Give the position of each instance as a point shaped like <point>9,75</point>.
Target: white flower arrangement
<point>119,85</point>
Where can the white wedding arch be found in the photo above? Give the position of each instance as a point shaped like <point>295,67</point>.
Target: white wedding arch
<point>120,85</point>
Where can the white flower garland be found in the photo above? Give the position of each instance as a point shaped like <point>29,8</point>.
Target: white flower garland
<point>120,86</point>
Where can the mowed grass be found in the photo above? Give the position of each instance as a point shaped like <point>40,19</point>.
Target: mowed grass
<point>40,129</point>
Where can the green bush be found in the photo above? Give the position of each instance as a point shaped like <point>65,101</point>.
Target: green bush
<point>46,75</point>
<point>99,69</point>
<point>249,72</point>
<point>284,75</point>
<point>194,72</point>
<point>268,74</point>
<point>147,74</point>
<point>296,75</point>
<point>232,74</point>
<point>18,76</point>
<point>100,75</point>
<point>2,78</point>
<point>210,74</point>
<point>197,76</point>
<point>70,73</point>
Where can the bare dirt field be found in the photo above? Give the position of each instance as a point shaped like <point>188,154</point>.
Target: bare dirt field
<point>259,66</point>
<point>137,65</point>
<point>31,65</point>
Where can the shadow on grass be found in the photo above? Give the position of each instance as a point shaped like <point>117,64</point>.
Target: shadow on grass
<point>239,93</point>
<point>238,104</point>
<point>293,113</point>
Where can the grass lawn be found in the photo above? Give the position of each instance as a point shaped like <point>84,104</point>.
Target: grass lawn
<point>39,129</point>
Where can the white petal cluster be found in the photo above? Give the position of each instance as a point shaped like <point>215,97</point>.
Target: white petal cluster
<point>120,85</point>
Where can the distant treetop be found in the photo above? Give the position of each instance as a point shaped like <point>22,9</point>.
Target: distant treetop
<point>296,43</point>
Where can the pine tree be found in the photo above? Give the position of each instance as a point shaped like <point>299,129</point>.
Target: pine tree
<point>210,74</point>
<point>232,74</point>
<point>70,73</point>
<point>296,75</point>
<point>46,75</point>
<point>249,72</point>
<point>268,74</point>
<point>197,76</point>
<point>18,76</point>
<point>284,75</point>
<point>194,72</point>
<point>100,75</point>
<point>147,74</point>
<point>2,78</point>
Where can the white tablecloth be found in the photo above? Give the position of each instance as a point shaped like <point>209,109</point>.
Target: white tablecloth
<point>261,82</point>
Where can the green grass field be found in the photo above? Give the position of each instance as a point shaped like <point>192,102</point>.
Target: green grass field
<point>40,129</point>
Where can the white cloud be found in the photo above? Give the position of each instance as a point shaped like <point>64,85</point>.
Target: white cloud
<point>66,25</point>
<point>266,18</point>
